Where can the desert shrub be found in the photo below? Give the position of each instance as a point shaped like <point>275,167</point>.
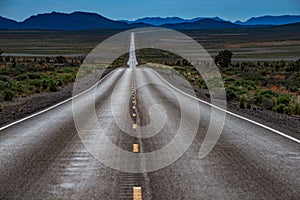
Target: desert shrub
<point>258,98</point>
<point>22,77</point>
<point>64,70</point>
<point>8,95</point>
<point>243,90</point>
<point>247,84</point>
<point>283,99</point>
<point>294,106</point>
<point>265,99</point>
<point>67,78</point>
<point>229,71</point>
<point>13,64</point>
<point>60,59</point>
<point>223,59</point>
<point>35,82</point>
<point>4,85</point>
<point>52,86</point>
<point>280,108</point>
<point>230,95</point>
<point>234,88</point>
<point>292,67</point>
<point>49,85</point>
<point>34,75</point>
<point>47,59</point>
<point>44,84</point>
<point>5,71</point>
<point>293,88</point>
<point>15,72</point>
<point>268,103</point>
<point>268,93</point>
<point>60,83</point>
<point>24,88</point>
<point>263,81</point>
<point>4,78</point>
<point>243,101</point>
<point>229,79</point>
<point>20,87</point>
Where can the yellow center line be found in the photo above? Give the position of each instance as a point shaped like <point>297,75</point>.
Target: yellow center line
<point>135,148</point>
<point>134,126</point>
<point>137,193</point>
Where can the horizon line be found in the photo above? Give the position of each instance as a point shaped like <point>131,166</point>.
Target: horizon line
<point>142,17</point>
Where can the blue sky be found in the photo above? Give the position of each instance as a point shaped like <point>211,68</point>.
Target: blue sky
<point>133,9</point>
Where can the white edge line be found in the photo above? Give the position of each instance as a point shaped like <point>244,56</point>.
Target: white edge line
<point>231,113</point>
<point>56,105</point>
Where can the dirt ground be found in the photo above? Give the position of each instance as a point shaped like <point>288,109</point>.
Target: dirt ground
<point>22,107</point>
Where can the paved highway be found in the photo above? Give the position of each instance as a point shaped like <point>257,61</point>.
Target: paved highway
<point>43,157</point>
<point>132,62</point>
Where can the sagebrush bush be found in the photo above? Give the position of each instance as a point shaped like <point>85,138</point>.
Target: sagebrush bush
<point>243,101</point>
<point>52,86</point>
<point>283,99</point>
<point>280,108</point>
<point>230,95</point>
<point>8,95</point>
<point>294,106</point>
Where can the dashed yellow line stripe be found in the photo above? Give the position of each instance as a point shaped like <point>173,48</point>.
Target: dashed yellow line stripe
<point>137,193</point>
<point>134,126</point>
<point>135,148</point>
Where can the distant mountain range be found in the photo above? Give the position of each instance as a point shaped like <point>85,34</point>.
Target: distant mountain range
<point>202,24</point>
<point>158,21</point>
<point>62,21</point>
<point>7,23</point>
<point>271,20</point>
<point>84,21</point>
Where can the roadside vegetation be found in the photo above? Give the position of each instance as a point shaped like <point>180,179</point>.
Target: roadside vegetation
<point>24,76</point>
<point>251,85</point>
<point>264,85</point>
<point>272,85</point>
